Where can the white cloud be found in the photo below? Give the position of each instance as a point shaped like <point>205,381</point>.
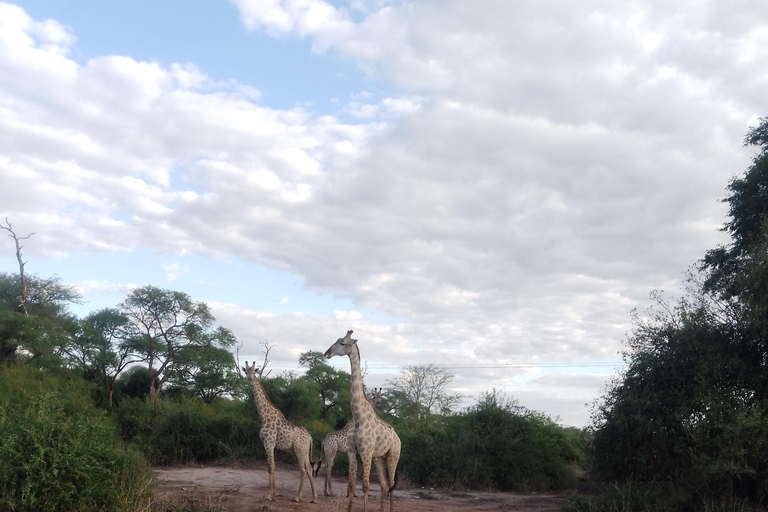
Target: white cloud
<point>535,174</point>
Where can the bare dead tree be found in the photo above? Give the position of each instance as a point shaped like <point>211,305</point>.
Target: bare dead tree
<point>237,356</point>
<point>9,228</point>
<point>267,348</point>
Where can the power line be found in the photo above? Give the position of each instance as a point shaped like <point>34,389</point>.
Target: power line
<point>501,366</point>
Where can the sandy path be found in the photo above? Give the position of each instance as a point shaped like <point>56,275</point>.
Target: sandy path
<point>243,489</point>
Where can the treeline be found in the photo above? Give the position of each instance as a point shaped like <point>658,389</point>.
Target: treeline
<point>686,425</point>
<point>88,404</point>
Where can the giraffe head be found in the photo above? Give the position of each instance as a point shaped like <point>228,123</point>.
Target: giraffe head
<point>250,371</point>
<point>342,347</point>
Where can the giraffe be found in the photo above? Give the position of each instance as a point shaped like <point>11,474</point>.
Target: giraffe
<point>369,436</point>
<point>332,443</point>
<point>277,432</point>
<point>376,397</point>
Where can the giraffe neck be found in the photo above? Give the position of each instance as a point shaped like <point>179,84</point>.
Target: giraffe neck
<point>267,411</point>
<point>359,400</point>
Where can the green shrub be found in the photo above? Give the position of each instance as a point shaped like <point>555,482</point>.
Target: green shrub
<point>190,430</point>
<point>490,446</point>
<point>58,452</point>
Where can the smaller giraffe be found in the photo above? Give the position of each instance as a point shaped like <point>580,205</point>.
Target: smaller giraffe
<point>332,443</point>
<point>376,400</point>
<point>277,432</point>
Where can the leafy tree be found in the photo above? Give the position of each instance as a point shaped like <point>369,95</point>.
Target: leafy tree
<point>333,386</point>
<point>296,397</point>
<point>134,382</point>
<point>100,351</point>
<point>422,390</point>
<point>169,330</point>
<point>209,371</point>
<point>692,405</point>
<point>37,335</point>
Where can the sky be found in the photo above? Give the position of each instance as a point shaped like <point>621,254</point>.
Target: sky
<point>489,187</point>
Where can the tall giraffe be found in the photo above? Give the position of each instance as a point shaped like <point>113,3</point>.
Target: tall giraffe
<point>370,437</point>
<point>332,443</point>
<point>277,432</point>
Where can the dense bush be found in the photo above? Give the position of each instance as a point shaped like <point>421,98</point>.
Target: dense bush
<point>493,445</point>
<point>190,430</point>
<point>58,452</point>
<point>691,408</point>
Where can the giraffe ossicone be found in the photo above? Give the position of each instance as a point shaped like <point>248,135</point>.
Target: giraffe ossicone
<point>369,437</point>
<point>278,433</point>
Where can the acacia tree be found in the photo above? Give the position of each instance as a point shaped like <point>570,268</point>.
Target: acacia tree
<point>333,385</point>
<point>167,327</point>
<point>422,390</point>
<point>33,312</point>
<point>208,370</point>
<point>38,334</point>
<point>101,349</point>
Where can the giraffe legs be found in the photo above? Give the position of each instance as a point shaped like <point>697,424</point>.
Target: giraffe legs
<point>328,489</point>
<point>305,467</point>
<point>271,465</point>
<point>352,477</point>
<point>308,466</point>
<point>382,471</point>
<point>392,459</point>
<point>366,479</point>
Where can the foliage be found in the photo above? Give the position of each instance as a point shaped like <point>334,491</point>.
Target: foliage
<point>296,397</point>
<point>421,391</point>
<point>692,406</point>
<point>495,444</point>
<point>630,496</point>
<point>58,452</point>
<point>176,337</point>
<point>100,350</point>
<point>37,336</point>
<point>190,430</point>
<point>333,386</point>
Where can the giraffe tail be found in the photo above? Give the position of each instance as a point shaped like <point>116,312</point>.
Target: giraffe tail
<point>389,491</point>
<point>319,461</point>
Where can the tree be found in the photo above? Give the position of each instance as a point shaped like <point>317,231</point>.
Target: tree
<point>167,329</point>
<point>38,334</point>
<point>101,350</point>
<point>738,272</point>
<point>22,278</point>
<point>333,385</point>
<point>422,390</point>
<point>209,371</point>
<point>691,407</point>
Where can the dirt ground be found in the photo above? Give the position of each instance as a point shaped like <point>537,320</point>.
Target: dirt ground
<point>244,489</point>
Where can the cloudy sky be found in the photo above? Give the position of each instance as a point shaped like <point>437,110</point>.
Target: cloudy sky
<point>489,186</point>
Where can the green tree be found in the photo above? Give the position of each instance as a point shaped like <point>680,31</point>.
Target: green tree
<point>692,403</point>
<point>333,386</point>
<point>38,334</point>
<point>296,397</point>
<point>170,331</point>
<point>100,350</point>
<point>209,371</point>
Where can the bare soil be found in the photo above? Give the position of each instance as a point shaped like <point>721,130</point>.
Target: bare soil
<point>245,489</point>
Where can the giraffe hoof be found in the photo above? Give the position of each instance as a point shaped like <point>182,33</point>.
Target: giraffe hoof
<point>297,499</point>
